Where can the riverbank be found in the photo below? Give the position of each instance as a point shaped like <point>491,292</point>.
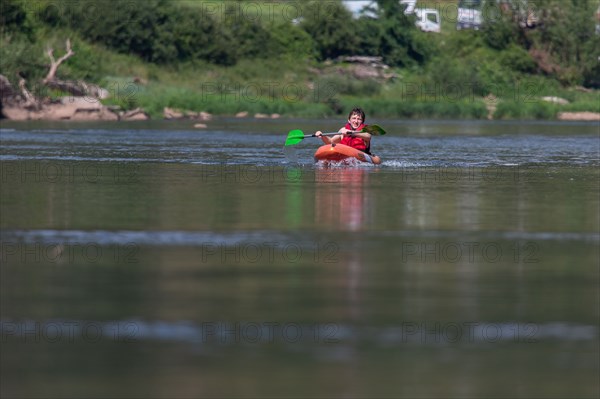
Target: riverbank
<point>458,75</point>
<point>82,109</point>
<point>316,90</point>
<point>306,91</point>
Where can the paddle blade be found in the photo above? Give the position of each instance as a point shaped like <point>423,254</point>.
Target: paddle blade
<point>375,130</point>
<point>294,137</point>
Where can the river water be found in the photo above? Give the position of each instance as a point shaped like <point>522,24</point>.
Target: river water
<point>158,260</point>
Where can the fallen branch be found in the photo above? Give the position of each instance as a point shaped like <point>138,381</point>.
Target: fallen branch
<point>73,88</point>
<point>30,100</point>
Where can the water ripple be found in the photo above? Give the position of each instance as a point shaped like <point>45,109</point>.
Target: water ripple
<point>187,238</point>
<point>234,333</point>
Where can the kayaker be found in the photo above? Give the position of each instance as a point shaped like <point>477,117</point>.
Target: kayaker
<point>360,141</point>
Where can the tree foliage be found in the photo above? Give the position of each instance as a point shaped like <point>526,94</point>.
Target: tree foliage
<point>397,35</point>
<point>331,27</point>
<point>566,32</point>
<point>17,39</point>
<point>161,31</point>
<point>501,28</point>
<point>391,34</point>
<point>14,19</point>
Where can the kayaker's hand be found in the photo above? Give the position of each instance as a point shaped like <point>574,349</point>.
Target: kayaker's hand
<point>318,133</point>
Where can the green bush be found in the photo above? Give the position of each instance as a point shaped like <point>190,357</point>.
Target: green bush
<point>500,32</point>
<point>292,42</point>
<point>532,109</point>
<point>347,85</point>
<point>444,74</point>
<point>518,59</point>
<point>590,65</point>
<point>19,57</point>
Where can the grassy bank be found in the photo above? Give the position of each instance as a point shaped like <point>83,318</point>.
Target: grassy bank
<point>297,89</point>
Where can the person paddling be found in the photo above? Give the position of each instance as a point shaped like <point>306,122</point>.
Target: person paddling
<point>349,135</point>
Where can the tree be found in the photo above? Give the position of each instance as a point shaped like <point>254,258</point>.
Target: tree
<point>566,32</point>
<point>332,28</point>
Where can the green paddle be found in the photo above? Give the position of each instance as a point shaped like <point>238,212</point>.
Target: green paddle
<point>374,130</point>
<point>296,136</point>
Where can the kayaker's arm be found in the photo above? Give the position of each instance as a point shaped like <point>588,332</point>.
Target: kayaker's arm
<point>325,139</point>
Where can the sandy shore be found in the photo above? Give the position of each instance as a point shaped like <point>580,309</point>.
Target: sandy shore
<point>579,116</point>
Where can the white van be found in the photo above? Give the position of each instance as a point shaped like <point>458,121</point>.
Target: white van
<point>428,19</point>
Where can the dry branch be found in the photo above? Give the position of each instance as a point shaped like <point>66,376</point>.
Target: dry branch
<point>54,64</point>
<point>30,101</point>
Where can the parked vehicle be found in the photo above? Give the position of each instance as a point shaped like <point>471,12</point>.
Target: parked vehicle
<point>428,19</point>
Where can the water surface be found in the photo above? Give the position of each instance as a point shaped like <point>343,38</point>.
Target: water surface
<point>157,260</point>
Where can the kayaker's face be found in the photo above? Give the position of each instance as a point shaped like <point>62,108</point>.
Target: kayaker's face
<point>355,121</point>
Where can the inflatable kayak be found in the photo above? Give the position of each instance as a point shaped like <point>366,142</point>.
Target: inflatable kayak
<point>339,152</point>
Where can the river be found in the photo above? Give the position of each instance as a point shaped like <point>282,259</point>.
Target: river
<point>153,259</point>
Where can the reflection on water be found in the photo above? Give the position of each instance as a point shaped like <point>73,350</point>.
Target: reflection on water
<point>340,198</point>
<point>156,263</point>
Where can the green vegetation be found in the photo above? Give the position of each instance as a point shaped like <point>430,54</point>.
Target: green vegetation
<point>226,57</point>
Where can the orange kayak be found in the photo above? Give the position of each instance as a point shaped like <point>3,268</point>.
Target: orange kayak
<point>339,152</point>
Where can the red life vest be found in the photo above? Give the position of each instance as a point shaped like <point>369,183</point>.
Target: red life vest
<point>354,142</point>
